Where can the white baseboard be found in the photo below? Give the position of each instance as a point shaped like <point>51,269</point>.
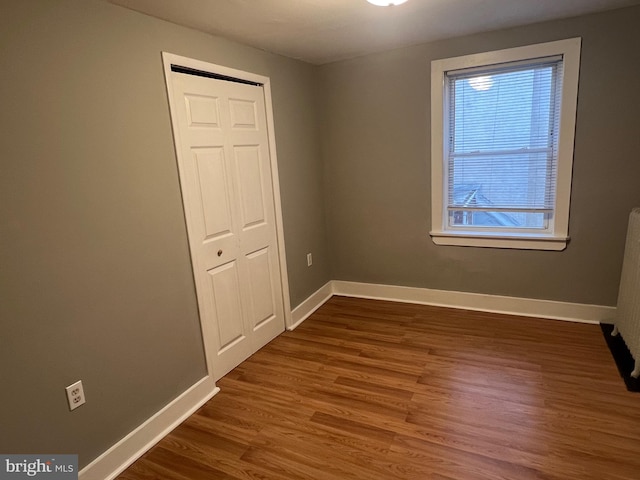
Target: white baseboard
<point>527,307</point>
<point>115,460</point>
<point>310,305</point>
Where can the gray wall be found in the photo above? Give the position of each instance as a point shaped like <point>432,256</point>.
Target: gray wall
<point>376,151</point>
<point>95,278</point>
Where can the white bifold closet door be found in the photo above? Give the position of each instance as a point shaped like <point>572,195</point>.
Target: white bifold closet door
<point>228,199</point>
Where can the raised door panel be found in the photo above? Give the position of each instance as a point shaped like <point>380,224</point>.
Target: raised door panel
<point>202,111</point>
<point>213,192</point>
<point>225,286</point>
<point>261,288</point>
<point>250,181</point>
<point>243,114</point>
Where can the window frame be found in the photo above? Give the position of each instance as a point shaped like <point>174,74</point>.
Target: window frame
<point>557,235</point>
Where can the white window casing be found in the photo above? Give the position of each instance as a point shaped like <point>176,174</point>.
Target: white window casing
<point>504,181</point>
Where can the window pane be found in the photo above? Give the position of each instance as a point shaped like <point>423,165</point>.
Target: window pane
<point>501,220</point>
<point>505,111</point>
<point>506,181</point>
<point>502,146</point>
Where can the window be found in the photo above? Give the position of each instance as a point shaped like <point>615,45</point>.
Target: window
<point>502,146</point>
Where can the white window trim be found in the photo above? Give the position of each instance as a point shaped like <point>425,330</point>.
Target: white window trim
<point>557,240</point>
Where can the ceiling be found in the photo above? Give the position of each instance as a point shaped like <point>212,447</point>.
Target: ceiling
<point>324,31</point>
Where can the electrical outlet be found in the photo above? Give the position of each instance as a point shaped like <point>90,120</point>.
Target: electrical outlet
<point>75,395</point>
<point>309,260</point>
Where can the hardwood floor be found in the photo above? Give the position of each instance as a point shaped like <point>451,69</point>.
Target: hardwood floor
<point>378,390</point>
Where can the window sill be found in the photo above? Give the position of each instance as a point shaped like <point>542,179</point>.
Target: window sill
<point>503,240</point>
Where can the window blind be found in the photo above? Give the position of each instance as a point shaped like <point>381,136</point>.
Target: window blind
<point>502,143</point>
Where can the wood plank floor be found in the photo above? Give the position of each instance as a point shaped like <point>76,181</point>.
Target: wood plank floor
<point>378,390</point>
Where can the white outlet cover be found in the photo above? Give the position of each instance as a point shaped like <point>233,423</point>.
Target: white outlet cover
<point>75,395</point>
